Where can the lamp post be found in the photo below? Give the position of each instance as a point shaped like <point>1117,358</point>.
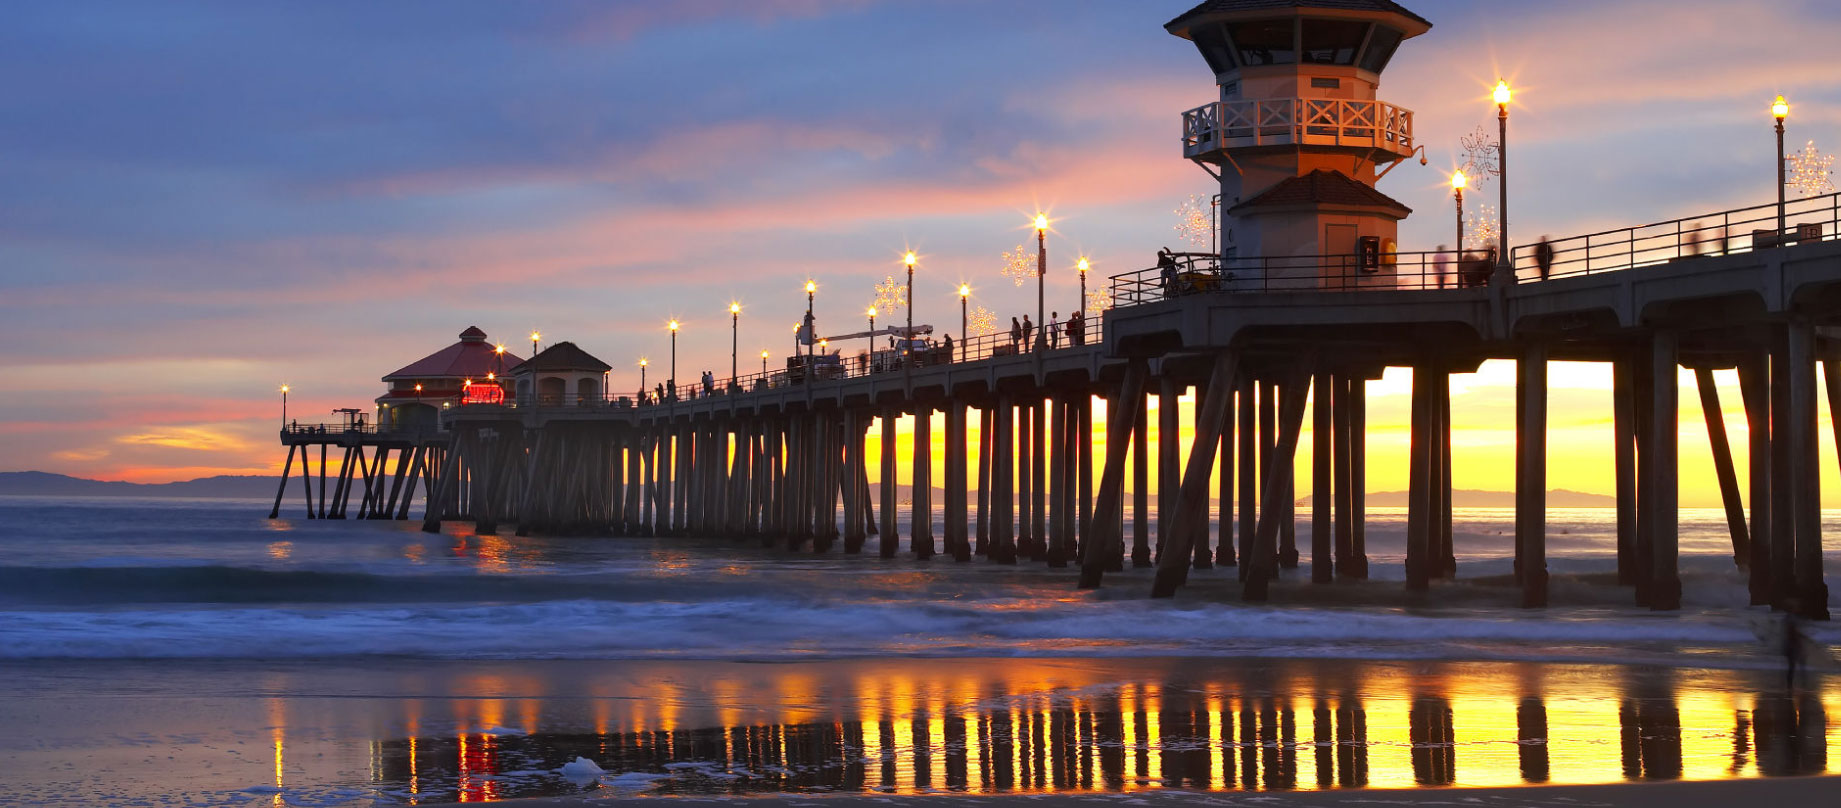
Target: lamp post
<point>1457,189</point>
<point>735,320</point>
<point>811,337</point>
<point>1501,97</point>
<point>965,293</point>
<point>1780,110</point>
<point>534,337</point>
<point>1041,271</point>
<point>763,363</point>
<point>673,382</point>
<point>1083,266</point>
<point>284,404</point>
<point>907,344</point>
<point>872,328</point>
<point>642,378</point>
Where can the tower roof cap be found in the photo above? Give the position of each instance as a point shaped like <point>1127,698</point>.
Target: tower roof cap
<point>1244,8</point>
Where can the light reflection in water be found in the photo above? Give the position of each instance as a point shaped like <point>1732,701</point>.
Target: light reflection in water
<point>1038,727</point>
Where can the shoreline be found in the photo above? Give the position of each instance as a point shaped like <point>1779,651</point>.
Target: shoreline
<point>1811,790</point>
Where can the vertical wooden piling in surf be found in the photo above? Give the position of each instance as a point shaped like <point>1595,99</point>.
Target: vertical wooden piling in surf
<point>1057,484</point>
<point>1322,478</point>
<point>1141,486</point>
<point>1419,547</point>
<point>1665,580</point>
<point>1025,482</point>
<point>891,542</point>
<point>1038,471</point>
<point>1623,406</point>
<point>1811,592</point>
<point>958,542</point>
<point>1084,447</point>
<point>1783,484</point>
<point>1341,457</point>
<point>920,492</point>
<point>1249,454</point>
<point>1531,474</point>
<point>1169,458</point>
<point>986,424</point>
<point>1105,547</point>
<point>1003,548</point>
<point>1263,561</point>
<point>1724,469</point>
<point>1189,522</point>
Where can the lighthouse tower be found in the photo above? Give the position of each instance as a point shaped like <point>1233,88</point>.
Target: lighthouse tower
<point>1297,137</point>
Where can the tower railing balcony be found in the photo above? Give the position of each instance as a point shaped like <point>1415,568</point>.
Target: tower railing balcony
<point>1297,121</point>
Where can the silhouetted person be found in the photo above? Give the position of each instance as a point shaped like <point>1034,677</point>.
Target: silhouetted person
<point>1053,329</point>
<point>1792,642</point>
<point>1029,329</point>
<point>1073,327</point>
<point>1016,334</point>
<point>947,343</point>
<point>1543,257</point>
<point>1166,271</point>
<point>1441,264</point>
<point>1694,240</point>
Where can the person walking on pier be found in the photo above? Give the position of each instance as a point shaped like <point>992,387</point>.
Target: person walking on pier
<point>947,345</point>
<point>1077,329</point>
<point>1543,257</point>
<point>1029,329</point>
<point>1054,329</point>
<point>1441,264</point>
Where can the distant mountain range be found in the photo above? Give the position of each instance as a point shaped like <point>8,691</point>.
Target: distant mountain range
<point>44,484</point>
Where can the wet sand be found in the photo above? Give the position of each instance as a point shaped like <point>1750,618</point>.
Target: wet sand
<point>1787,792</point>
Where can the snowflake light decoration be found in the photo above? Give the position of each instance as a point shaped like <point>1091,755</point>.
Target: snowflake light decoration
<point>891,294</point>
<point>1019,266</point>
<point>1194,224</point>
<point>1481,154</point>
<point>1098,301</point>
<point>1810,171</point>
<point>981,321</point>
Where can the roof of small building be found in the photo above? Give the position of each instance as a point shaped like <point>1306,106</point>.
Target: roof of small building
<point>564,356</point>
<point>1220,6</point>
<point>471,357</point>
<point>1322,187</point>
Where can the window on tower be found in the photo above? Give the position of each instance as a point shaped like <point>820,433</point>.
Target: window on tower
<point>1265,42</point>
<point>1333,42</point>
<point>1380,49</point>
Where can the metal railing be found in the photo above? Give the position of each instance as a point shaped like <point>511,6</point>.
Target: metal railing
<point>304,430</point>
<point>1293,121</point>
<point>848,366</point>
<point>1741,230</point>
<point>1198,273</point>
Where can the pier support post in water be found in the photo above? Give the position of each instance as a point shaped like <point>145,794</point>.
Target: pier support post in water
<point>1664,496</point>
<point>1169,458</point>
<point>1263,560</point>
<point>1531,474</point>
<point>1358,473</point>
<point>1345,528</point>
<point>1058,478</point>
<point>1248,496</point>
<point>1189,520</point>
<point>987,422</point>
<point>1225,555</point>
<point>1783,483</point>
<point>958,544</point>
<point>854,535</point>
<point>1083,444</point>
<point>1141,486</point>
<point>891,541</point>
<point>1623,417</point>
<point>1038,469</point>
<point>920,515</point>
<point>1419,484</point>
<point>1107,540</point>
<point>1441,467</point>
<point>1003,453</point>
<point>1022,445</point>
<point>1805,469</point>
<point>1723,466</point>
<point>1322,476</point>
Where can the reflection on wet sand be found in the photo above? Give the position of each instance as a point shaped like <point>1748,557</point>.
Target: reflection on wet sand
<point>1276,726</point>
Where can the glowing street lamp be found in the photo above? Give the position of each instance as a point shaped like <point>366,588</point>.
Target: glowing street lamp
<point>498,354</point>
<point>811,288</point>
<point>673,325</point>
<point>1780,110</point>
<point>534,337</point>
<point>965,293</point>
<point>1501,96</point>
<point>284,403</point>
<point>1041,271</point>
<point>1083,266</point>
<point>907,344</point>
<point>642,377</point>
<point>763,362</point>
<point>1457,188</point>
<point>735,319</point>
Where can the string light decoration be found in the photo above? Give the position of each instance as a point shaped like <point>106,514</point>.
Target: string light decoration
<point>1019,266</point>
<point>981,321</point>
<point>1194,222</point>
<point>1811,171</point>
<point>1481,158</point>
<point>1098,301</point>
<point>1480,226</point>
<point>891,294</point>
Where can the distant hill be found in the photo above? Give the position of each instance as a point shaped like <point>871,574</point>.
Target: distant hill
<point>1462,498</point>
<point>44,484</point>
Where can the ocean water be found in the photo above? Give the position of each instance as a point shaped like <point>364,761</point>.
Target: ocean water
<point>207,634</point>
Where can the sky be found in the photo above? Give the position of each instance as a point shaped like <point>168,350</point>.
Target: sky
<point>202,201</point>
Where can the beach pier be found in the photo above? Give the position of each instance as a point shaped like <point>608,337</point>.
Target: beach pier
<point>1278,330</point>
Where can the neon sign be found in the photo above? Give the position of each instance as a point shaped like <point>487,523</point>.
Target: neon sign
<point>483,394</point>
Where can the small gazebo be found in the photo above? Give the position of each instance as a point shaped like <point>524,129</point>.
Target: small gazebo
<point>562,375</point>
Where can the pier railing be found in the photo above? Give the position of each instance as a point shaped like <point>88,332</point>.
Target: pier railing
<point>1199,273</point>
<point>1815,218</point>
<point>1297,121</point>
<point>300,430</point>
